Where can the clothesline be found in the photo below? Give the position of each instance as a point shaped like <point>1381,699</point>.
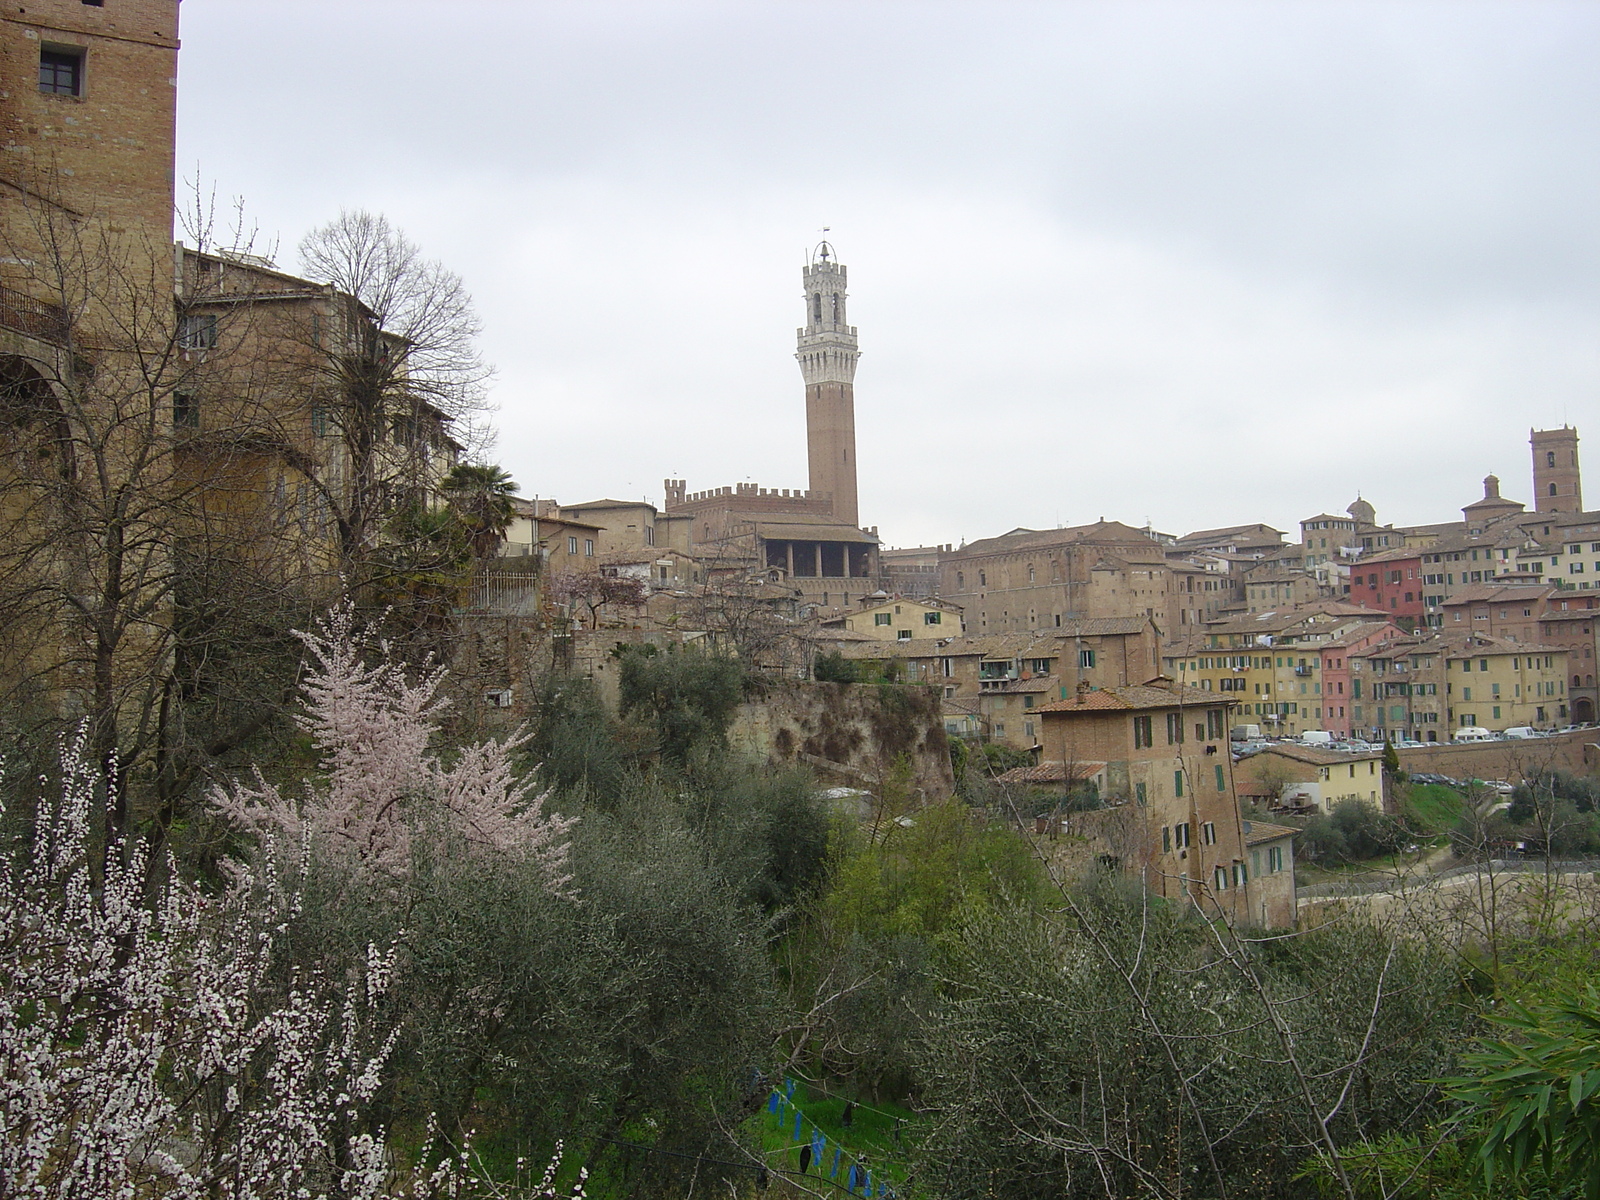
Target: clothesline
<point>758,1168</point>
<point>815,1148</point>
<point>814,1086</point>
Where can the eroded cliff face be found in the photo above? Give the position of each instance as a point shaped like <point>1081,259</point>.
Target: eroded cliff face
<point>851,734</point>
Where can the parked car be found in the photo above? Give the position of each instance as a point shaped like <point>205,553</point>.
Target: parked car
<point>1472,733</point>
<point>1320,738</point>
<point>1521,733</point>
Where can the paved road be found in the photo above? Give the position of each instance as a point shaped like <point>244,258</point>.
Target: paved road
<point>1409,879</point>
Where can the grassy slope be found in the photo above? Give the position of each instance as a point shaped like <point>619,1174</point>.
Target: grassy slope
<point>871,1135</point>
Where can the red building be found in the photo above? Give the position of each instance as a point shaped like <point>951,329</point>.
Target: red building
<point>1392,582</point>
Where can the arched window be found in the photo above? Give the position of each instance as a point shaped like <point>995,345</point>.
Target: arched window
<point>1550,458</point>
<point>1552,489</point>
<point>816,308</point>
<point>835,309</point>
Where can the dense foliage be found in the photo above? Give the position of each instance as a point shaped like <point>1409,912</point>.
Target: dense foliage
<point>409,975</point>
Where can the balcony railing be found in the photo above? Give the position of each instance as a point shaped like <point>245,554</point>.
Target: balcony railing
<point>32,317</point>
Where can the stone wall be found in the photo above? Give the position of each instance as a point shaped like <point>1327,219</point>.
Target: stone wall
<point>1578,752</point>
<point>851,734</point>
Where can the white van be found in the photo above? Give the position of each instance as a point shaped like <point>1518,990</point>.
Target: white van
<point>1521,733</point>
<point>1472,733</point>
<point>1317,737</point>
<point>1246,733</point>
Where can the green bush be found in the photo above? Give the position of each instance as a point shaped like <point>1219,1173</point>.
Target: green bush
<point>834,667</point>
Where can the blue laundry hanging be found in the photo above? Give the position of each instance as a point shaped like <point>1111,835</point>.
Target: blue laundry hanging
<point>798,1117</point>
<point>773,1101</point>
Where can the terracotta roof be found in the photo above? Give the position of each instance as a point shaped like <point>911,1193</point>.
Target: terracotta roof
<point>1365,629</point>
<point>1257,832</point>
<point>1498,593</point>
<point>865,646</point>
<point>1319,758</point>
<point>1390,556</point>
<point>1022,537</point>
<point>1051,643</point>
<point>1051,772</point>
<point>1123,699</point>
<point>1481,646</point>
<point>611,504</point>
<point>1576,614</point>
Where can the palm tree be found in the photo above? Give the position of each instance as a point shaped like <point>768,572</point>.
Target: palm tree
<point>480,496</point>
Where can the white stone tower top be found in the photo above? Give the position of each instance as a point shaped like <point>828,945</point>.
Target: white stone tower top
<point>828,349</point>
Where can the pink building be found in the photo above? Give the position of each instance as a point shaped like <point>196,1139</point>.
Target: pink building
<point>1336,686</point>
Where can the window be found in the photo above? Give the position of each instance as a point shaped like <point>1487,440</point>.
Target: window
<point>1219,878</point>
<point>1166,836</point>
<point>903,635</point>
<point>185,410</point>
<point>1139,794</point>
<point>1180,835</point>
<point>572,545</point>
<point>198,331</point>
<point>882,619</point>
<point>1143,736</point>
<point>1208,834</point>
<point>1274,859</point>
<point>1177,783</point>
<point>1086,658</point>
<point>930,618</point>
<point>319,421</point>
<point>588,547</point>
<point>497,698</point>
<point>1174,729</point>
<point>1222,782</point>
<point>61,72</point>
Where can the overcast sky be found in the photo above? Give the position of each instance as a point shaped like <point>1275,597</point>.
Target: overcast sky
<point>1193,263</point>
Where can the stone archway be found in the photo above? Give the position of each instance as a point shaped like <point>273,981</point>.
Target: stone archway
<point>33,429</point>
<point>1583,710</point>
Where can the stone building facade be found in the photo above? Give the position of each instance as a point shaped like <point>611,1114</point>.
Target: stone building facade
<point>1168,777</point>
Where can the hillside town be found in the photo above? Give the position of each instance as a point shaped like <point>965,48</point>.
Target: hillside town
<point>373,800</point>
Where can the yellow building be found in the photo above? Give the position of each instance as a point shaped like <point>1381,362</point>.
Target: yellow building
<point>1498,684</point>
<point>1248,678</point>
<point>897,619</point>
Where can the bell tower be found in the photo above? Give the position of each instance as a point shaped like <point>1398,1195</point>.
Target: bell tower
<point>827,355</point>
<point>1557,484</point>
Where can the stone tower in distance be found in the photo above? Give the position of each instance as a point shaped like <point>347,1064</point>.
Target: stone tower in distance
<point>827,355</point>
<point>1557,486</point>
